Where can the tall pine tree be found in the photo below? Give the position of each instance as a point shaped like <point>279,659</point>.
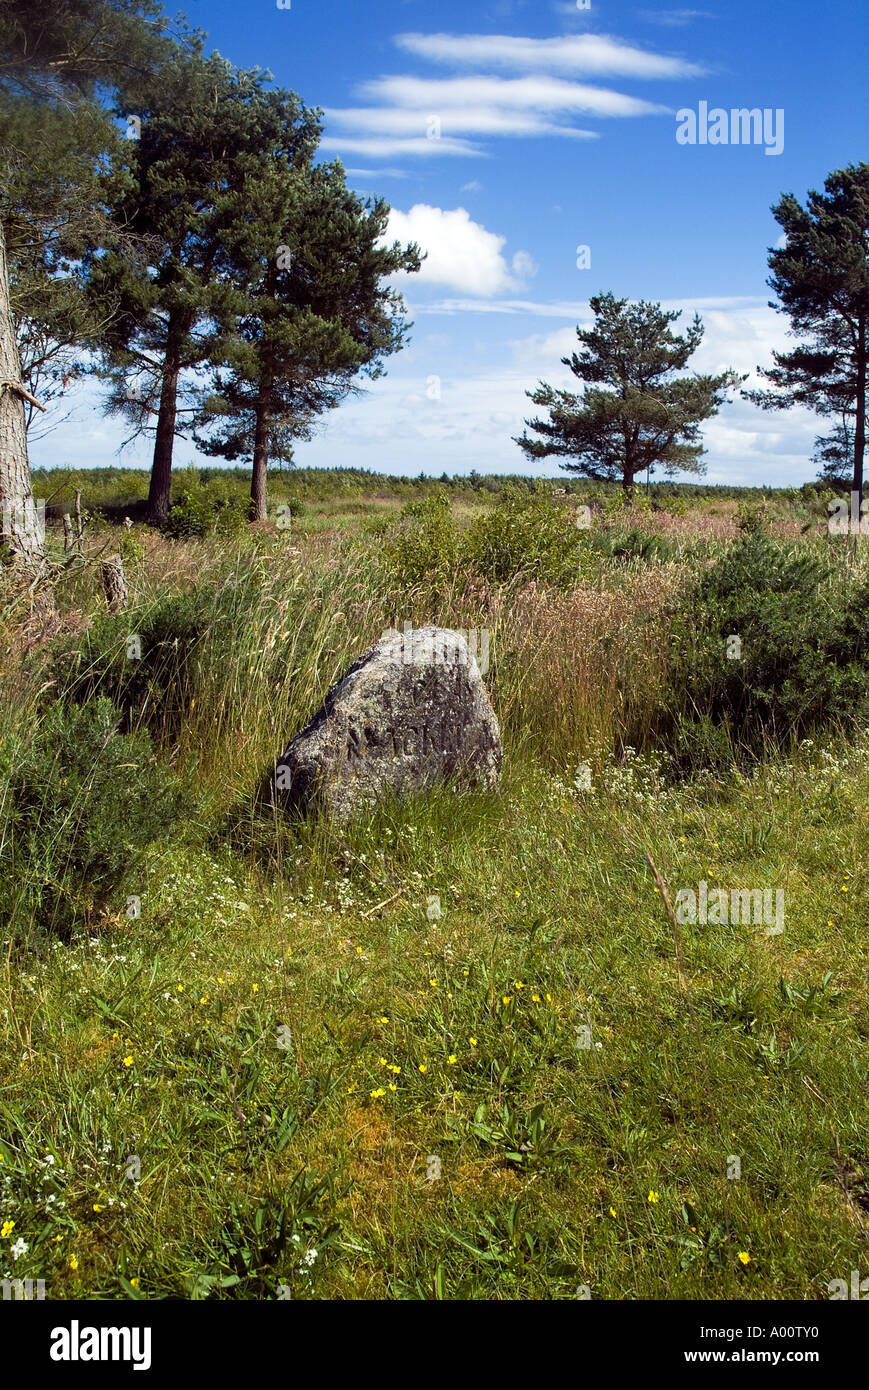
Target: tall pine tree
<point>821,276</point>
<point>56,56</point>
<point>199,122</point>
<point>313,309</point>
<point>636,413</point>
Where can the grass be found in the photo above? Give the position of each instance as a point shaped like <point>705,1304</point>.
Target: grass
<point>274,1042</point>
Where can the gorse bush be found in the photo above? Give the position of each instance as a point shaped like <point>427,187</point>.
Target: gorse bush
<point>527,534</point>
<point>142,660</point>
<point>82,802</point>
<point>635,545</point>
<point>200,511</point>
<point>424,542</point>
<point>766,647</point>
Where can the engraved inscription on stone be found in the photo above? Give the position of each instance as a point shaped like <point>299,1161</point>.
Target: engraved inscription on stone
<point>393,725</point>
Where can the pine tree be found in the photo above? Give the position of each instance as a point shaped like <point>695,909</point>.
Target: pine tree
<point>198,123</point>
<point>635,414</point>
<point>821,276</point>
<point>54,55</point>
<point>312,310</point>
<point>53,217</point>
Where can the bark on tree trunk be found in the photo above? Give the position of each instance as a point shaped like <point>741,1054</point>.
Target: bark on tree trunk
<point>258,507</point>
<point>860,422</point>
<point>164,441</point>
<point>21,523</point>
<point>115,584</point>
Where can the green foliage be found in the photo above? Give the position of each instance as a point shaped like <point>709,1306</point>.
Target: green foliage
<point>424,543</point>
<point>143,662</point>
<point>83,803</point>
<point>527,534</point>
<point>638,545</point>
<point>198,512</point>
<point>799,651</point>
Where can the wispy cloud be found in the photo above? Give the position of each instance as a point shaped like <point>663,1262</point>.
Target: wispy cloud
<point>432,116</point>
<point>675,19</point>
<point>537,94</point>
<point>386,147</point>
<point>409,115</point>
<point>577,309</point>
<point>590,55</point>
<point>379,173</point>
<point>448,120</point>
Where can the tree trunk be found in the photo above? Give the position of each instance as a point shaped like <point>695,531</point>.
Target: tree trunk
<point>21,526</point>
<point>115,584</point>
<point>258,506</point>
<point>164,442</point>
<point>860,422</point>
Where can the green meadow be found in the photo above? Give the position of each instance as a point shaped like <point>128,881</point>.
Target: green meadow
<point>461,1048</point>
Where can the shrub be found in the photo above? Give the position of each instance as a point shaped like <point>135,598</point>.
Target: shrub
<point>639,545</point>
<point>424,544</point>
<point>198,512</point>
<point>800,660</point>
<point>141,661</point>
<point>528,534</point>
<point>82,802</point>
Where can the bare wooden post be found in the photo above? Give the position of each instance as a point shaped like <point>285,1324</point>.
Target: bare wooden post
<point>67,533</point>
<point>115,583</point>
<point>78,522</point>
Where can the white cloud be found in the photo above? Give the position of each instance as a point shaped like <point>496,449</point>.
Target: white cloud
<point>440,116</point>
<point>449,122</point>
<point>378,173</point>
<point>384,147</point>
<point>539,95</point>
<point>675,19</point>
<point>473,187</point>
<point>462,254</point>
<point>595,55</point>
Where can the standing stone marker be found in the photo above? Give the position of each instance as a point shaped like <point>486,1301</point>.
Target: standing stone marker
<point>411,712</point>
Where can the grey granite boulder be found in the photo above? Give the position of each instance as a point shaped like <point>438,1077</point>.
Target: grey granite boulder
<point>410,712</point>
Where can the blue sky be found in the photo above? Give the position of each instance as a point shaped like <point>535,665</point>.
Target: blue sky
<point>506,135</point>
